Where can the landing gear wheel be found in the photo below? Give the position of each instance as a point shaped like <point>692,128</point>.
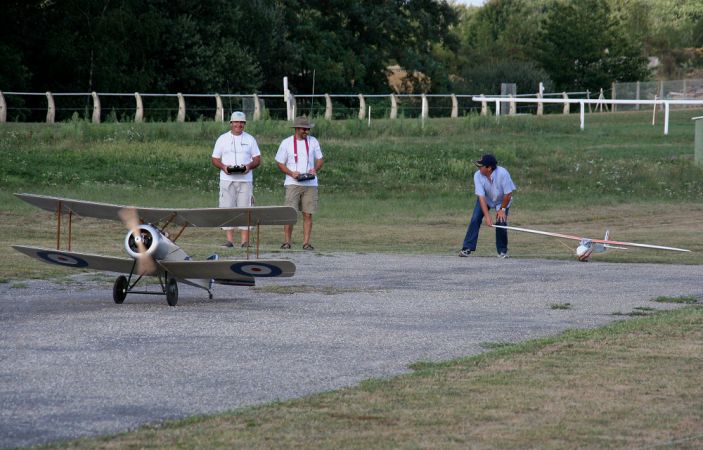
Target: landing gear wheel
<point>172,292</point>
<point>119,290</point>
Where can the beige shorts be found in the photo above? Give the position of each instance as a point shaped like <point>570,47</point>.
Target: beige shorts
<point>302,198</point>
<point>235,194</point>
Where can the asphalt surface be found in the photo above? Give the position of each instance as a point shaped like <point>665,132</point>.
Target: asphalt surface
<point>73,363</point>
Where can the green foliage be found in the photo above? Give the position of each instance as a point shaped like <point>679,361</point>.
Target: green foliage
<point>487,78</point>
<point>583,48</point>
<point>192,46</point>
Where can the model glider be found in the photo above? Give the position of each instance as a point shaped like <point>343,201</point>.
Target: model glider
<point>153,252</point>
<point>588,246</point>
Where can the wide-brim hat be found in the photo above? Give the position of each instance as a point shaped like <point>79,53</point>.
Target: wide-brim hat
<point>302,122</point>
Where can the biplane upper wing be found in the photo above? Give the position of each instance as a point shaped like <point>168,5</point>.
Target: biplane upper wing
<point>234,270</point>
<point>607,242</point>
<point>199,217</point>
<point>79,260</point>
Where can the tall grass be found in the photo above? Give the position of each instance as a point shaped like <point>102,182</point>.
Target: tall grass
<point>618,157</point>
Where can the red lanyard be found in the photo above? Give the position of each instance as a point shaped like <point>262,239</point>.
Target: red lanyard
<point>295,149</point>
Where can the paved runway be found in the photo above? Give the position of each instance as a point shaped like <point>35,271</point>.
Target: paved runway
<point>72,363</point>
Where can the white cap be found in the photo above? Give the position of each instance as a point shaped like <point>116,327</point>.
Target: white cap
<point>238,116</point>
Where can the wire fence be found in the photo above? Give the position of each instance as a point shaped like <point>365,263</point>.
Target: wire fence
<point>128,107</point>
<point>687,89</point>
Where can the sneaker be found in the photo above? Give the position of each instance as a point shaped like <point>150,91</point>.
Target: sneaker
<point>227,244</point>
<point>308,247</point>
<point>245,245</point>
<point>464,253</point>
<point>285,246</point>
<point>503,255</point>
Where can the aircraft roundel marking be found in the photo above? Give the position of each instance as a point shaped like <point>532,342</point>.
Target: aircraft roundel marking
<point>254,269</point>
<point>63,260</point>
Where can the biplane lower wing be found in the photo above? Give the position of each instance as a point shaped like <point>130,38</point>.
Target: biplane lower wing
<point>78,260</point>
<point>198,217</point>
<point>230,270</point>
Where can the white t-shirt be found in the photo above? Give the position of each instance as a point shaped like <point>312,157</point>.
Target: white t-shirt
<point>303,163</point>
<point>236,151</point>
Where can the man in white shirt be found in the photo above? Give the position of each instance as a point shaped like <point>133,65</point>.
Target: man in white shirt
<point>236,154</point>
<point>300,158</point>
<point>494,188</point>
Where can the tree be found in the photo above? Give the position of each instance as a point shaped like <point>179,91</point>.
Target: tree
<point>583,48</point>
<point>348,44</point>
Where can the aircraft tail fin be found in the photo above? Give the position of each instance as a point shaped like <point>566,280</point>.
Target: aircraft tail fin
<point>607,234</point>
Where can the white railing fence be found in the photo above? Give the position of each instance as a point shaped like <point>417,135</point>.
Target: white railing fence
<point>666,104</point>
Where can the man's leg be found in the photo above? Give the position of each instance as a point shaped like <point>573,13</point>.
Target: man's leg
<point>227,200</point>
<point>287,233</point>
<point>244,195</point>
<point>293,194</point>
<point>471,238</point>
<point>308,205</point>
<point>502,236</point>
<point>307,228</point>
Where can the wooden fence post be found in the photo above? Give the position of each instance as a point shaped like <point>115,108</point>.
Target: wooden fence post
<point>540,105</point>
<point>139,114</point>
<point>484,106</point>
<point>394,107</point>
<point>220,111</point>
<point>455,107</point>
<point>3,109</point>
<point>567,107</point>
<point>362,107</point>
<point>613,96</point>
<point>51,108</point>
<point>257,107</point>
<point>328,107</point>
<point>181,108</point>
<point>513,109</point>
<point>425,111</point>
<point>292,109</point>
<point>96,107</point>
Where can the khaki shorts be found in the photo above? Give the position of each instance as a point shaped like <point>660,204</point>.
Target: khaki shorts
<point>302,198</point>
<point>235,194</point>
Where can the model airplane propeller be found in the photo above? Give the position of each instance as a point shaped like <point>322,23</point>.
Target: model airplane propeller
<point>153,253</point>
<point>145,264</point>
<point>588,246</point>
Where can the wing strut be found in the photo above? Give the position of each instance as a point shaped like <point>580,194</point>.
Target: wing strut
<point>168,221</point>
<point>58,226</point>
<point>70,221</point>
<point>59,207</point>
<point>183,228</point>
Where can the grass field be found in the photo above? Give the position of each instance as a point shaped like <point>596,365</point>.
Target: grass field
<point>400,186</point>
<point>395,187</point>
<point>634,384</point>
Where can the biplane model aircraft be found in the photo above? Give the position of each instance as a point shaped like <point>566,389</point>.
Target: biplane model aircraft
<point>153,252</point>
<point>588,246</point>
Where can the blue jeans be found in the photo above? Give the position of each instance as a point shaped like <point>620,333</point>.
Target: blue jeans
<point>471,238</point>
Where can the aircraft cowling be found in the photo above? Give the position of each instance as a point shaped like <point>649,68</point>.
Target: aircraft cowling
<point>157,245</point>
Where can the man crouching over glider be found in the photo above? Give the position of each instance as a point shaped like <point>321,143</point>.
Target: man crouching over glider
<point>494,189</point>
